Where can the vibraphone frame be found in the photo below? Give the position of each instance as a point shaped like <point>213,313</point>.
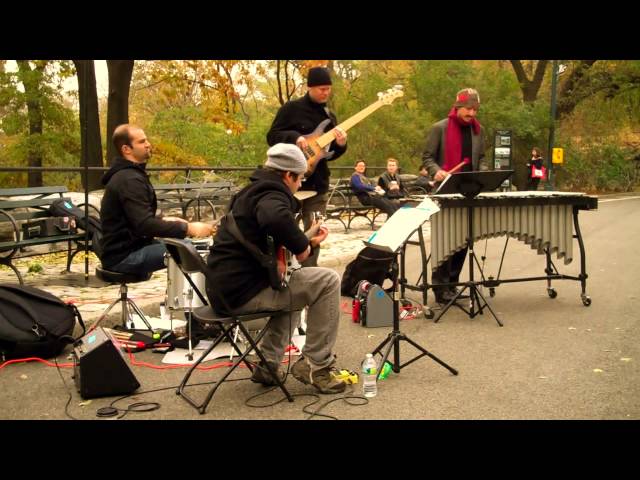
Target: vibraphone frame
<point>578,202</point>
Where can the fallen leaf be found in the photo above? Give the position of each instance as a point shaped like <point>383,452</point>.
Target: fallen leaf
<point>23,376</point>
<point>597,370</point>
<point>572,328</point>
<point>542,376</point>
<point>84,404</point>
<point>607,350</point>
<point>370,336</point>
<point>588,329</point>
<point>617,328</point>
<point>625,359</point>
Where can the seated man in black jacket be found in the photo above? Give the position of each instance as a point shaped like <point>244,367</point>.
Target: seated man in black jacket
<point>266,207</point>
<point>390,182</point>
<point>128,210</point>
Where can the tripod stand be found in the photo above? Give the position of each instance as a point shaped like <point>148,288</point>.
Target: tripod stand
<point>470,184</point>
<point>393,238</point>
<point>396,336</point>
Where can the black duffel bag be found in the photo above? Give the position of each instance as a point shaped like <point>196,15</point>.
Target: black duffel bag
<point>372,265</point>
<point>34,323</point>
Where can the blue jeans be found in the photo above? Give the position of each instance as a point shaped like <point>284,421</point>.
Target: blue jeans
<point>147,259</point>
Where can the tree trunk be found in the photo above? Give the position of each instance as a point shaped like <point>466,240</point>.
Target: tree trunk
<point>90,138</point>
<point>120,72</point>
<point>572,91</point>
<point>31,80</point>
<point>530,88</point>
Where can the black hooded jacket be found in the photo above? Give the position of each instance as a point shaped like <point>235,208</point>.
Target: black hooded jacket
<point>264,207</point>
<point>128,212</point>
<point>301,117</point>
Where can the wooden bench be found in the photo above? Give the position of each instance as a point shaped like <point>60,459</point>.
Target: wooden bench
<point>195,199</point>
<point>16,211</point>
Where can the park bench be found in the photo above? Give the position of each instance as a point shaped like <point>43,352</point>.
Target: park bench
<point>342,202</point>
<point>24,205</point>
<point>195,200</point>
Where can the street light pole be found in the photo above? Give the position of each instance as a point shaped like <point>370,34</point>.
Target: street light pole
<point>552,127</point>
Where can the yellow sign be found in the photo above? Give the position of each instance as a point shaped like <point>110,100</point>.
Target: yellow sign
<point>558,155</point>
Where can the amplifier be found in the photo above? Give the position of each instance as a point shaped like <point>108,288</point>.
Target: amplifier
<point>101,369</point>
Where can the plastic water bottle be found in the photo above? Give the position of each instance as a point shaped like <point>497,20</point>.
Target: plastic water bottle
<point>369,374</point>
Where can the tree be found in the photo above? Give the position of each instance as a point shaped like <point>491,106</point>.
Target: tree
<point>120,72</point>
<point>90,138</point>
<point>32,80</point>
<point>529,87</point>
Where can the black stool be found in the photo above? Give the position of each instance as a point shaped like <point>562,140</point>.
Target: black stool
<point>123,279</point>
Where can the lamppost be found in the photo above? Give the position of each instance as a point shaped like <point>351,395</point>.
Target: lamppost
<point>556,70</point>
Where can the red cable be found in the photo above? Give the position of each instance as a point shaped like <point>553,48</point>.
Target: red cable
<point>32,359</point>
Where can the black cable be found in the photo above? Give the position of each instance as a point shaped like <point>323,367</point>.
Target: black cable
<point>66,407</point>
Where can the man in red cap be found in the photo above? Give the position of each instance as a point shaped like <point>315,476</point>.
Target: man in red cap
<point>300,117</point>
<point>455,143</point>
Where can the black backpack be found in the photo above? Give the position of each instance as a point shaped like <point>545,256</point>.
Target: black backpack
<point>372,265</point>
<point>63,207</point>
<point>34,323</point>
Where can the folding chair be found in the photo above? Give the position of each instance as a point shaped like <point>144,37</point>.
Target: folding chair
<point>189,261</point>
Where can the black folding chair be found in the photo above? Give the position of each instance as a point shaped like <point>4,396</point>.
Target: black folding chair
<point>189,261</point>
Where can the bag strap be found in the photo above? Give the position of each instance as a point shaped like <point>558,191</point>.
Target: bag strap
<point>230,223</point>
<point>26,308</point>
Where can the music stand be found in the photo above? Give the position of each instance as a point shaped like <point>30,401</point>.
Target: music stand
<point>392,238</point>
<point>470,184</point>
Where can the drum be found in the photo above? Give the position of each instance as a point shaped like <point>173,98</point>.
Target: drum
<point>178,286</point>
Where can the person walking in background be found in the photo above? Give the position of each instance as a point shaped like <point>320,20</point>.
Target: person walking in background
<point>535,169</point>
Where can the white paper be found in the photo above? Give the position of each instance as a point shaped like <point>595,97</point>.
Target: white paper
<point>179,355</point>
<point>401,225</point>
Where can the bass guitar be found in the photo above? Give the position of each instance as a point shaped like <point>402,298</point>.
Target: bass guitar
<point>318,142</point>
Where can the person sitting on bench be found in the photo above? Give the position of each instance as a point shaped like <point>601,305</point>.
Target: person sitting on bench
<point>368,193</point>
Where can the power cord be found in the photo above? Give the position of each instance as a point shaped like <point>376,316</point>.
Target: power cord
<point>66,407</point>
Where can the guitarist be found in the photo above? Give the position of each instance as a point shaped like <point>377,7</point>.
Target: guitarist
<point>266,207</point>
<point>455,144</point>
<point>301,117</point>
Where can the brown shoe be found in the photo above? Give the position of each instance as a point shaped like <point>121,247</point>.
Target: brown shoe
<point>261,374</point>
<point>322,379</point>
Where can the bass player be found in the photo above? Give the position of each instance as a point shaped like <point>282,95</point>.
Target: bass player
<point>299,118</point>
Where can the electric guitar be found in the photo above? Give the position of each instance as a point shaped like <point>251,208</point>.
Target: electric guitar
<point>288,263</point>
<point>318,142</point>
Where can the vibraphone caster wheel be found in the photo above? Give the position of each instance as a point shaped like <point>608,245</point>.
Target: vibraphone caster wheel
<point>428,313</point>
<point>586,300</point>
<point>552,292</point>
<point>492,292</point>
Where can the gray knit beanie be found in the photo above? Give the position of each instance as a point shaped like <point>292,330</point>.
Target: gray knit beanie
<point>287,158</point>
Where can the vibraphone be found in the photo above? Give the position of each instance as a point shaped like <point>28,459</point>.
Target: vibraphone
<point>544,220</point>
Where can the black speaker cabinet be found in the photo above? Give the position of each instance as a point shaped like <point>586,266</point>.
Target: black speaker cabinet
<point>100,367</point>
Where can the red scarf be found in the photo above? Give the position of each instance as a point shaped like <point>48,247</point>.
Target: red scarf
<point>453,140</point>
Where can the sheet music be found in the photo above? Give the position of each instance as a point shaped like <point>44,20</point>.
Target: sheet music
<point>401,225</point>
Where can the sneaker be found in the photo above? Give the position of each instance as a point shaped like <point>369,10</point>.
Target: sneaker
<point>323,379</point>
<point>262,375</point>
